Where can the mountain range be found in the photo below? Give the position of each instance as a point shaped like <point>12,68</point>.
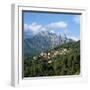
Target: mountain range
<point>43,41</point>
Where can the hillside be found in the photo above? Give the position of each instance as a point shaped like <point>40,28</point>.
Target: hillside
<point>61,60</point>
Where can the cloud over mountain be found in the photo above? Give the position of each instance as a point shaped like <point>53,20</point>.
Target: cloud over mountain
<point>34,27</point>
<point>57,25</point>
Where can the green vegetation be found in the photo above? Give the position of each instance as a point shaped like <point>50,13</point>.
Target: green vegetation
<point>61,60</point>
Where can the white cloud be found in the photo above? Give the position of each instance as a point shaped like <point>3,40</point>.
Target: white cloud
<point>74,38</point>
<point>52,31</point>
<point>57,25</point>
<point>34,27</point>
<point>77,19</point>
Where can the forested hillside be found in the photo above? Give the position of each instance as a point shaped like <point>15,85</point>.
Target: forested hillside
<point>61,60</point>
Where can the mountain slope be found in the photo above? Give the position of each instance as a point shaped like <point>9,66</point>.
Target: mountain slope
<point>43,41</point>
<point>61,60</point>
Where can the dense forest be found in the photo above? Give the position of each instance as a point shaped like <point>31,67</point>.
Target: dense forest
<point>61,60</point>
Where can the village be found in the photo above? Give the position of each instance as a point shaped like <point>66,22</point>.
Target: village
<point>48,56</point>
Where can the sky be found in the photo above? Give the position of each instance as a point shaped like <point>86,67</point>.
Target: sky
<point>59,23</point>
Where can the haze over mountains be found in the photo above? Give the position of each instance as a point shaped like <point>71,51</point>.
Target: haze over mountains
<point>43,41</point>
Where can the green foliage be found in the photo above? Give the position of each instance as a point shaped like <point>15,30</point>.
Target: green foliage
<point>63,60</point>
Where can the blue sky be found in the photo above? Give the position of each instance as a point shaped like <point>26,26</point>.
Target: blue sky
<point>58,23</point>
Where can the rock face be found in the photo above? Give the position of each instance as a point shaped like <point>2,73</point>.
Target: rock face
<point>43,41</point>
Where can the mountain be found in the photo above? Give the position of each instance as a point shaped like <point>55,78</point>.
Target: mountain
<point>42,42</point>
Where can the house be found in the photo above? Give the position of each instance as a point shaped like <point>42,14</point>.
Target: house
<point>49,61</point>
<point>48,54</point>
<point>35,58</point>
